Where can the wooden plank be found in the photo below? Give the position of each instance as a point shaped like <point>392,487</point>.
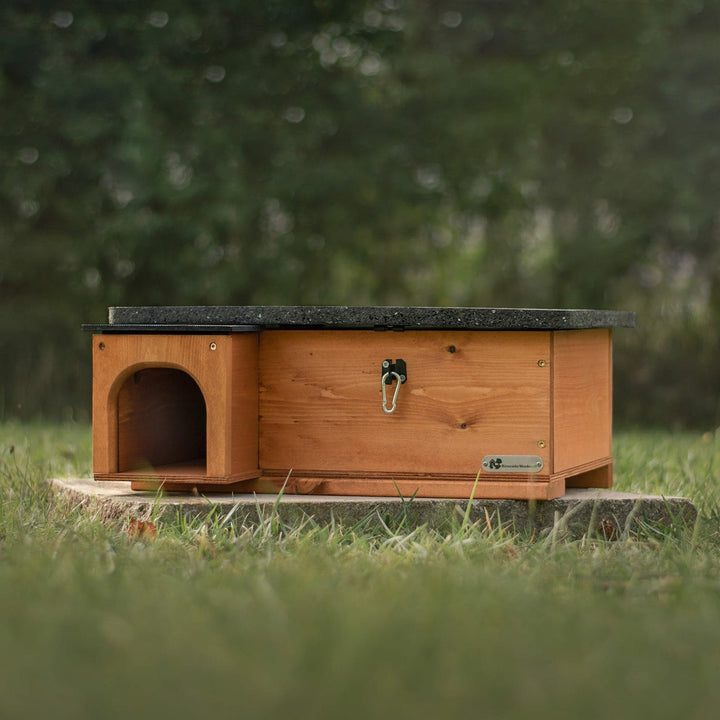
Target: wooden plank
<point>189,485</point>
<point>372,475</point>
<point>185,475</point>
<point>179,473</point>
<point>243,418</point>
<point>467,395</point>
<point>528,490</point>
<point>582,397</point>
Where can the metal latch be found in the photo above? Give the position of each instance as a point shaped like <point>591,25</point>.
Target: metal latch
<point>392,371</point>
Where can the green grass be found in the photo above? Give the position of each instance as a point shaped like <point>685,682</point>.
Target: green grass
<point>214,621</point>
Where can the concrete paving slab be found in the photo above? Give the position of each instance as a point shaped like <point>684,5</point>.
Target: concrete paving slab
<point>609,513</point>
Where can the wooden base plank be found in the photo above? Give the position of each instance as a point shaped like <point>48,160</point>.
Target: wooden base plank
<point>196,487</point>
<point>403,476</point>
<point>182,475</point>
<point>179,478</point>
<point>528,490</point>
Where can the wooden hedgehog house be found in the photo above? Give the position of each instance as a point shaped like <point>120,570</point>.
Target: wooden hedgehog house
<point>433,402</point>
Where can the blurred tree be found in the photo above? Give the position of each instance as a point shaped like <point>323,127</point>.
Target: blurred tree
<point>377,151</point>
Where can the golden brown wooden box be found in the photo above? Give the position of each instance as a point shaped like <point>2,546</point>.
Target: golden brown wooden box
<point>254,399</point>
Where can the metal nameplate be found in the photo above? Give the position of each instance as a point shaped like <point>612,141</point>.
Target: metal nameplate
<point>512,463</point>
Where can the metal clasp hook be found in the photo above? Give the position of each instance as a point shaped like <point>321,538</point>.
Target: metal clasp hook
<point>392,371</point>
<point>391,409</point>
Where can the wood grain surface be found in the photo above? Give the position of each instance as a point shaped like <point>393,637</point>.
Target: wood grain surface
<point>582,397</point>
<point>224,369</point>
<point>467,395</point>
<point>242,411</point>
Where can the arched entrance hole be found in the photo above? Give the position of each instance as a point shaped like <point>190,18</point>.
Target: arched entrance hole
<point>162,422</point>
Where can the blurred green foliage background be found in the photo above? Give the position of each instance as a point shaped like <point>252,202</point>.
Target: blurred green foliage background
<point>562,153</point>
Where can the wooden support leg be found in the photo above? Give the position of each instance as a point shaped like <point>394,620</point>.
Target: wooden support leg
<point>601,477</point>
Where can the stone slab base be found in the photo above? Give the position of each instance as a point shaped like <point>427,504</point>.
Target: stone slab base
<point>605,513</point>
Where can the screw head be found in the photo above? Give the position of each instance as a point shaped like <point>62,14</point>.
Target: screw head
<point>386,364</point>
<point>541,363</point>
<point>541,443</point>
<point>213,346</point>
<point>101,346</point>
